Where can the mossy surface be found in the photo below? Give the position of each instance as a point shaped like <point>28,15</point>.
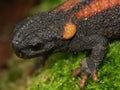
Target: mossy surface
<point>57,73</point>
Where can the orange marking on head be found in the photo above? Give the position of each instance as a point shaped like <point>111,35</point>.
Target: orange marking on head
<point>67,5</point>
<point>95,7</point>
<point>69,30</point>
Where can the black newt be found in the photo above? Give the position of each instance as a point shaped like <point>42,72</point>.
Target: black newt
<point>74,26</point>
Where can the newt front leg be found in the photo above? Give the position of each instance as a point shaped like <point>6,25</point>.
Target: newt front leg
<point>74,26</point>
<point>98,45</point>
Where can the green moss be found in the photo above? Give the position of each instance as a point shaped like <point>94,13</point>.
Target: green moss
<point>46,5</point>
<point>57,74</point>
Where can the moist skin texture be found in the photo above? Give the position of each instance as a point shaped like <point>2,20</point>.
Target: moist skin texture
<point>74,26</point>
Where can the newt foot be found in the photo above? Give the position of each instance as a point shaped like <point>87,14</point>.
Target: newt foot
<point>85,70</point>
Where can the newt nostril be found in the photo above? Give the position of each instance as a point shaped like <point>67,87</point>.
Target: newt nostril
<point>17,49</point>
<point>15,41</point>
<point>15,44</point>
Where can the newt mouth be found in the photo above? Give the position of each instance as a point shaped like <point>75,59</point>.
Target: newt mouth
<point>27,53</point>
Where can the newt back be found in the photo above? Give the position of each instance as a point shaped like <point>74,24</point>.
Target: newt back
<point>74,26</point>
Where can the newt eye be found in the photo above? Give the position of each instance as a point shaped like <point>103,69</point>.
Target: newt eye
<point>36,47</point>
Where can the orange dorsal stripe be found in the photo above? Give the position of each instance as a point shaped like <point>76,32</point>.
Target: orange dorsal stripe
<point>67,5</point>
<point>96,7</point>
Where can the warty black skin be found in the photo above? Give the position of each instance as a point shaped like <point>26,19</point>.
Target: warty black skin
<point>41,34</point>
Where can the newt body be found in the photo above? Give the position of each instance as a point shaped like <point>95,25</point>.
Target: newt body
<point>74,26</point>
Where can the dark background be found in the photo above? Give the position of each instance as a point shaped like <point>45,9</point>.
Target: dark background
<point>13,70</point>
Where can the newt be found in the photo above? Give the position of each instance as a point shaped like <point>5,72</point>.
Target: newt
<point>74,26</point>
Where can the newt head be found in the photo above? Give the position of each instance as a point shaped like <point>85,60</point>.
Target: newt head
<point>38,34</point>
